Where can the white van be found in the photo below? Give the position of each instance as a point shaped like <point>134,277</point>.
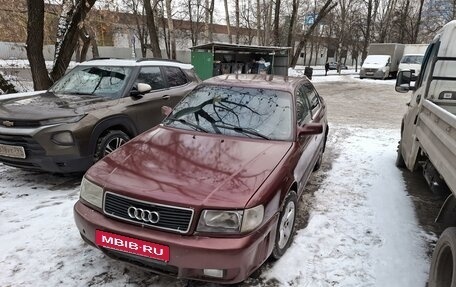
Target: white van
<point>376,66</point>
<point>411,62</point>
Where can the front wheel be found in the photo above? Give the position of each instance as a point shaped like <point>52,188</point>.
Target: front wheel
<point>285,227</point>
<point>109,142</point>
<point>443,265</point>
<point>400,163</point>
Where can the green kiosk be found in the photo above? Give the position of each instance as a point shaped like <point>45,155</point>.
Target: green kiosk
<point>215,59</point>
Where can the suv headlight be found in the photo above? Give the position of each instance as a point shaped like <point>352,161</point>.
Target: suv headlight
<point>231,221</point>
<point>91,193</point>
<point>65,120</point>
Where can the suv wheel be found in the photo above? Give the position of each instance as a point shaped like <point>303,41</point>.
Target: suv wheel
<point>285,227</point>
<point>108,142</point>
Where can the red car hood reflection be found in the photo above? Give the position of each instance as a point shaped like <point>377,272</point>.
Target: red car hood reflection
<point>178,167</point>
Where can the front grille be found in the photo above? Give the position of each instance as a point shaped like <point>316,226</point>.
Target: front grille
<point>31,146</point>
<point>20,123</point>
<point>171,218</point>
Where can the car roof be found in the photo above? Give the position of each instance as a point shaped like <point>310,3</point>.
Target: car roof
<point>273,82</point>
<point>136,63</point>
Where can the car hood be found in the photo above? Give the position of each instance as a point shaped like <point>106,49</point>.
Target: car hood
<point>180,167</point>
<point>45,105</point>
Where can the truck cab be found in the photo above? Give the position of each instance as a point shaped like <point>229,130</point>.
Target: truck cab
<point>428,139</point>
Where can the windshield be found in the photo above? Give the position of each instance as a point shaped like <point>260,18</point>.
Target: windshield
<point>235,111</point>
<point>99,81</point>
<point>415,59</point>
<point>376,59</point>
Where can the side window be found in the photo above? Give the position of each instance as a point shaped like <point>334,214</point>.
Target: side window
<point>302,107</point>
<point>431,52</point>
<point>312,95</point>
<point>175,76</point>
<point>151,76</point>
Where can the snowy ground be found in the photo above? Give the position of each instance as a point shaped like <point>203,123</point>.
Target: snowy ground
<point>357,225</point>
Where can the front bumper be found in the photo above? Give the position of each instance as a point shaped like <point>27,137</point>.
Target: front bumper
<point>238,257</point>
<point>374,74</point>
<point>41,153</point>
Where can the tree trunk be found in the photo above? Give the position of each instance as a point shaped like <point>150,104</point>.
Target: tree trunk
<point>368,30</point>
<point>85,39</point>
<point>294,14</point>
<point>418,22</point>
<point>258,16</point>
<point>172,37</point>
<point>276,24</point>
<point>35,36</point>
<point>154,42</point>
<point>227,17</point>
<point>236,12</point>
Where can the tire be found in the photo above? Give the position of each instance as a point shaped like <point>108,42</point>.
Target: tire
<point>320,158</point>
<point>318,163</point>
<point>400,163</point>
<point>108,142</point>
<point>285,225</point>
<point>443,265</point>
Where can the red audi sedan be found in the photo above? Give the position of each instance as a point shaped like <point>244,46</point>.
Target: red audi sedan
<point>213,191</point>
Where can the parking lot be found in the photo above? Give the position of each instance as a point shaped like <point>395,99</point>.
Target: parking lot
<point>362,221</point>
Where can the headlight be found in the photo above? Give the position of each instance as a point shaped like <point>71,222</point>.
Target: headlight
<point>63,138</point>
<point>383,69</point>
<point>65,120</point>
<point>231,221</point>
<point>91,193</point>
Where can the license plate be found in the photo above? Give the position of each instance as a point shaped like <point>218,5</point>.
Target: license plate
<point>369,73</point>
<point>12,151</point>
<point>132,245</point>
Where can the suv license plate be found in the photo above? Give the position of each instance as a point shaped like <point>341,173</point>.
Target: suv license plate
<point>131,245</point>
<point>12,151</point>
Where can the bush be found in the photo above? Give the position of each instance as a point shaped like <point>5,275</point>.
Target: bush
<point>5,86</point>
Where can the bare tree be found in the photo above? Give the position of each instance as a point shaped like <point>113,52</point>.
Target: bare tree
<point>236,12</point>
<point>67,35</point>
<point>209,19</point>
<point>172,37</point>
<point>227,18</point>
<point>35,36</point>
<point>291,29</point>
<point>154,43</point>
<point>276,31</point>
<point>327,7</point>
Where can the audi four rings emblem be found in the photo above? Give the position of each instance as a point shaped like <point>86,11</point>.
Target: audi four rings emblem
<point>143,214</point>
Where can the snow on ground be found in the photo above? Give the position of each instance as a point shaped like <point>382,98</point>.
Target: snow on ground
<point>362,229</point>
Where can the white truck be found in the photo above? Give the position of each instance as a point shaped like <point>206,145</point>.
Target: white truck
<point>428,139</point>
<point>413,57</point>
<point>382,61</point>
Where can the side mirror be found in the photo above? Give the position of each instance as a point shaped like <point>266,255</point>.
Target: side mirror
<point>140,89</point>
<point>403,81</point>
<point>310,129</point>
<point>166,111</point>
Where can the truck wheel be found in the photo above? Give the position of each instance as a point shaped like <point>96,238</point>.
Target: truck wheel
<point>400,163</point>
<point>108,142</point>
<point>443,265</point>
<point>285,226</point>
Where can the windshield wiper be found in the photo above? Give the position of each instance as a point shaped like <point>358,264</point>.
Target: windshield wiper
<point>182,121</point>
<point>244,131</point>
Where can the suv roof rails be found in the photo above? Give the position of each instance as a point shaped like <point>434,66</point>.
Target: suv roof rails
<point>157,59</point>
<point>104,58</point>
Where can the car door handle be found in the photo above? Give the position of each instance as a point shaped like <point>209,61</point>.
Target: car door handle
<point>166,97</point>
